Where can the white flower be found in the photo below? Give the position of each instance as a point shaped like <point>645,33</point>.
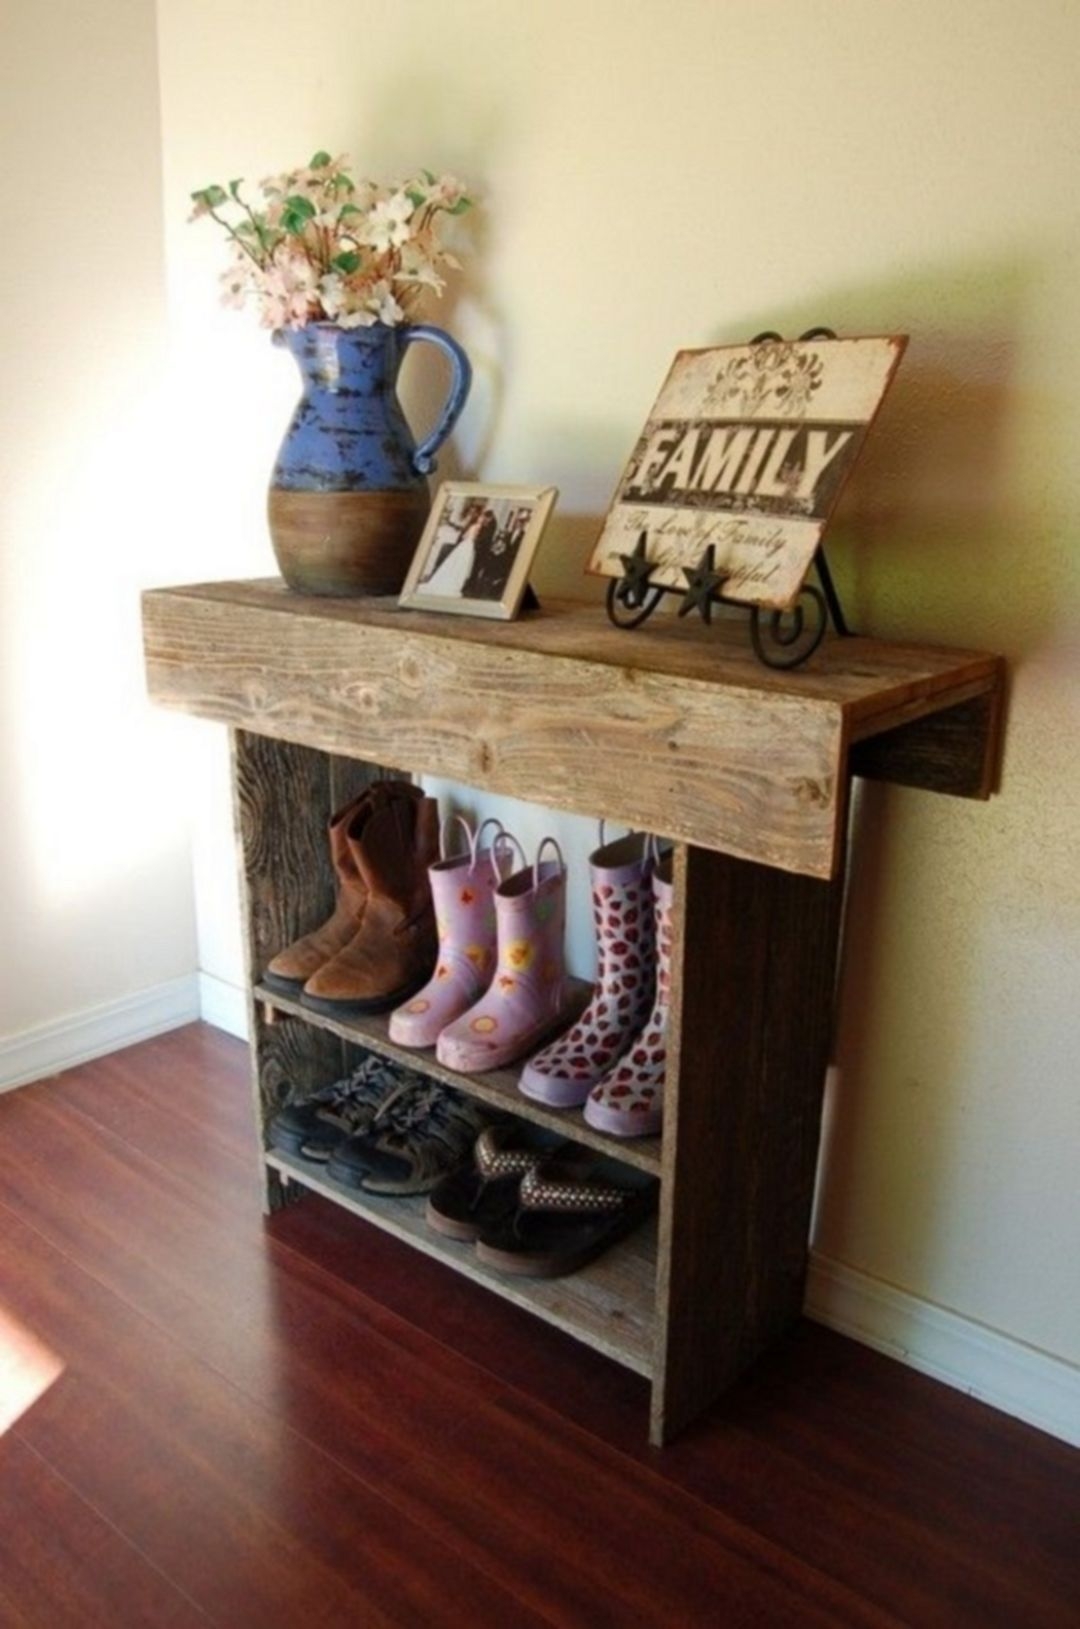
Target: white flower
<point>418,271</point>
<point>357,319</point>
<point>384,234</point>
<point>332,294</point>
<point>388,224</point>
<point>381,301</point>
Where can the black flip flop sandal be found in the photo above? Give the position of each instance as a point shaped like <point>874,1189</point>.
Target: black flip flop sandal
<point>564,1219</point>
<point>468,1202</point>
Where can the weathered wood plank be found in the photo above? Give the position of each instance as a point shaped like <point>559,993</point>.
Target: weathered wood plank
<point>855,673</point>
<point>955,751</point>
<point>677,757</point>
<point>282,804</point>
<point>609,1305</point>
<point>753,981</point>
<point>498,1088</point>
<point>678,730</point>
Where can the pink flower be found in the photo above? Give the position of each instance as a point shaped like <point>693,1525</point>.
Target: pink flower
<point>446,192</point>
<point>317,245</point>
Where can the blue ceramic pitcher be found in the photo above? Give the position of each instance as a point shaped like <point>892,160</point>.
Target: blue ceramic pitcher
<point>349,494</point>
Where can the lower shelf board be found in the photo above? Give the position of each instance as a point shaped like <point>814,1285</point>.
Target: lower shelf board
<point>610,1305</point>
<point>498,1088</point>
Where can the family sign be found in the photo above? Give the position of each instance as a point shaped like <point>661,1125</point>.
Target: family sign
<point>746,451</point>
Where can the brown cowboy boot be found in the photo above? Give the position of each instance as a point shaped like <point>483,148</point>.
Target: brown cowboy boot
<point>293,966</point>
<point>393,952</point>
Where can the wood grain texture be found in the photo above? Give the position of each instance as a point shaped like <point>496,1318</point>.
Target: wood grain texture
<point>956,751</point>
<point>305,1422</point>
<point>609,1306</point>
<point>252,1523</point>
<point>681,733</point>
<point>284,796</point>
<point>677,730</point>
<point>62,1565</point>
<point>751,1023</point>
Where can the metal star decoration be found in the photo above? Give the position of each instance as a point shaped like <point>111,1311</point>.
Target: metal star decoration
<point>637,570</point>
<point>701,581</point>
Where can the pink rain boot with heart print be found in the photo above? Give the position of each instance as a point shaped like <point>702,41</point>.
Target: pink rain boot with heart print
<point>528,997</point>
<point>564,1072</point>
<point>628,1102</point>
<point>463,891</point>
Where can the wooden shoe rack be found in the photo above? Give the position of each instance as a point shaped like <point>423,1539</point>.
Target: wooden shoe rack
<point>678,731</point>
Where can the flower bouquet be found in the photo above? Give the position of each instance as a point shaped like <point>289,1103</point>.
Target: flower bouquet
<point>336,268</point>
<point>319,246</point>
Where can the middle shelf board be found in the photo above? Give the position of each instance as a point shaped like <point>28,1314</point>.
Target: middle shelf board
<point>610,1304</point>
<point>498,1088</point>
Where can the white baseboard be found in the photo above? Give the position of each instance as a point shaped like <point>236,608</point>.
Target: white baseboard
<point>993,1367</point>
<point>48,1048</point>
<point>224,1005</point>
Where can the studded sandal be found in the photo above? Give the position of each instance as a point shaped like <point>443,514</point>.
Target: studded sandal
<point>565,1217</point>
<point>467,1202</point>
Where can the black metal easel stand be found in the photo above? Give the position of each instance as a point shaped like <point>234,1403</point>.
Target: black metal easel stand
<point>780,639</point>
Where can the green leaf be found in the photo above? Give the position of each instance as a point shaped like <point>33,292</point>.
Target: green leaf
<point>234,189</point>
<point>212,197</point>
<point>348,262</point>
<point>460,207</point>
<point>295,214</point>
<point>415,198</point>
<point>349,209</point>
<point>320,161</point>
<point>428,177</point>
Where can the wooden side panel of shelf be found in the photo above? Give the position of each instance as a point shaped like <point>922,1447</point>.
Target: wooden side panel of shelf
<point>283,798</point>
<point>753,989</point>
<point>957,751</point>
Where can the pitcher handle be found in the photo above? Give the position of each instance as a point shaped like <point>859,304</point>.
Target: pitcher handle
<point>423,459</point>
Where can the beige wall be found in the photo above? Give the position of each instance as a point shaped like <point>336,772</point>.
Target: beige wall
<point>660,175</point>
<point>95,875</point>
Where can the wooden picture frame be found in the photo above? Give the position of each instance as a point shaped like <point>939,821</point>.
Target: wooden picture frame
<point>497,529</point>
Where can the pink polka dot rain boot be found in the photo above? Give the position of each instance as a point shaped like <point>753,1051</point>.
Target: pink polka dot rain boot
<point>564,1072</point>
<point>462,889</point>
<point>528,997</point>
<point>628,1102</point>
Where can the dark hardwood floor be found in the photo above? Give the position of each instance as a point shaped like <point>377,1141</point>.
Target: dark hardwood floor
<point>305,1423</point>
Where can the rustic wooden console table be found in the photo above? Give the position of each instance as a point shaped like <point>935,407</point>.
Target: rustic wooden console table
<point>678,731</point>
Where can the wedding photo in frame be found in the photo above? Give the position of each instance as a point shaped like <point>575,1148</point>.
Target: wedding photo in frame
<point>477,549</point>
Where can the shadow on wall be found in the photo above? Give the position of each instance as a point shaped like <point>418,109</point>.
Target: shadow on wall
<point>469,312</point>
<point>415,121</point>
<point>925,546</point>
<point>926,539</point>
